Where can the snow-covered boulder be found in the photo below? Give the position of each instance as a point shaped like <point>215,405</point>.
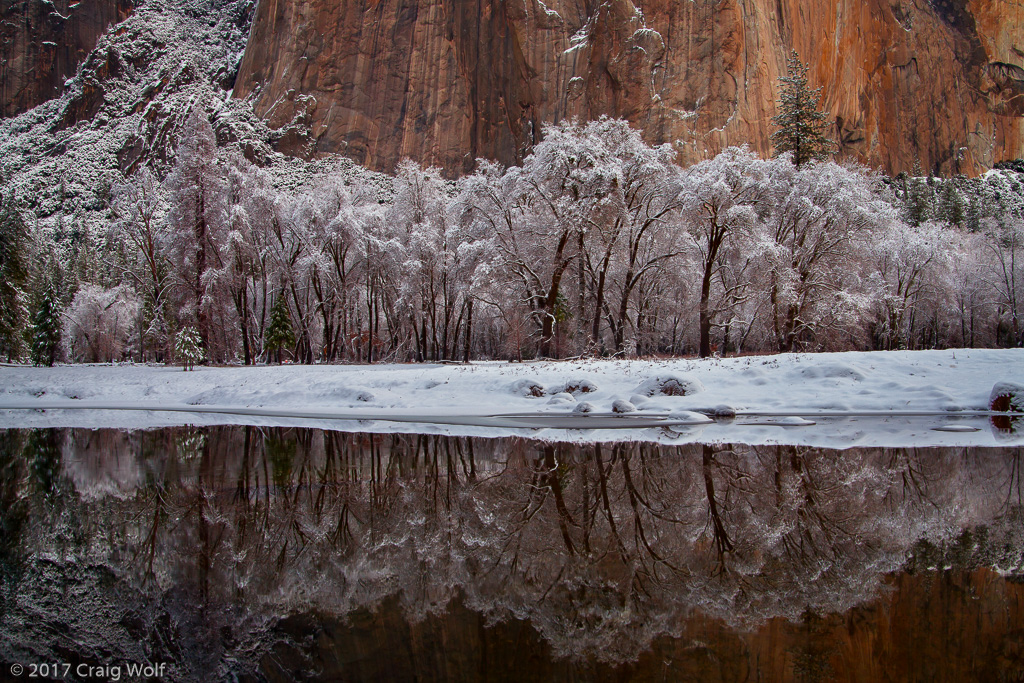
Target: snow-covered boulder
<point>562,398</point>
<point>579,386</point>
<point>530,388</point>
<point>623,406</point>
<point>1007,397</point>
<point>583,407</point>
<point>670,385</point>
<point>639,401</point>
<point>721,412</point>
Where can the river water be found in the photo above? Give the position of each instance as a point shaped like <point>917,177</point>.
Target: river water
<point>255,553</point>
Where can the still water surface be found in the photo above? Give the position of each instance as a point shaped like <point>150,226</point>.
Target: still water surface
<point>281,554</point>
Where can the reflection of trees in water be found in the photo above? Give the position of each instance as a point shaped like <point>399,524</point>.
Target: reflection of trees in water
<point>12,520</point>
<point>602,548</point>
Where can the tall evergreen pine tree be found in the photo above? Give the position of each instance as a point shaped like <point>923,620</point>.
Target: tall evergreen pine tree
<point>279,332</point>
<point>13,274</point>
<point>46,327</point>
<point>917,197</point>
<point>802,128</point>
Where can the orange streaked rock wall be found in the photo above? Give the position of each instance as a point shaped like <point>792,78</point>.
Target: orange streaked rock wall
<point>447,81</point>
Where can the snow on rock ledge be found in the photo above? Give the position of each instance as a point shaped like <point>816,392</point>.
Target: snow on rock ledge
<point>670,385</point>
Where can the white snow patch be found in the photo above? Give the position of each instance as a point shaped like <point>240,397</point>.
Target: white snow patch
<point>798,385</point>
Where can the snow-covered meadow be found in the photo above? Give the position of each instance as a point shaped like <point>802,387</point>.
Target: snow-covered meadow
<point>826,399</point>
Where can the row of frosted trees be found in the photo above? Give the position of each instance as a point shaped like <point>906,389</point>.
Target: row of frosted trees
<point>597,244</point>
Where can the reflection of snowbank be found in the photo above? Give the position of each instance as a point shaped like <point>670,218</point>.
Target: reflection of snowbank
<point>882,381</point>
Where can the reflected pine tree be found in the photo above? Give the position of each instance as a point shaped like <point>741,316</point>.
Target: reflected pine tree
<point>14,504</point>
<point>42,452</point>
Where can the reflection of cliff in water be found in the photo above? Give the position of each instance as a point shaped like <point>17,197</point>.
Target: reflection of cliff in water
<point>275,551</point>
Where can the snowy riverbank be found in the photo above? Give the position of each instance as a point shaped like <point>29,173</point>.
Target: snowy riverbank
<point>459,399</point>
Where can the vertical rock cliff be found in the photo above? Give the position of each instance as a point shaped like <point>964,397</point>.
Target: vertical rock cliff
<point>42,43</point>
<point>940,82</point>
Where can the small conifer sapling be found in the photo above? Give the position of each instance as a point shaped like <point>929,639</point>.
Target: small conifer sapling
<point>187,347</point>
<point>279,332</point>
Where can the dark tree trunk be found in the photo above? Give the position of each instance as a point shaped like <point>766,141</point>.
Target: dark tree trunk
<point>469,328</point>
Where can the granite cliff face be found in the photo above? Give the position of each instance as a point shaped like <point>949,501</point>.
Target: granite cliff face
<point>444,82</point>
<point>42,43</point>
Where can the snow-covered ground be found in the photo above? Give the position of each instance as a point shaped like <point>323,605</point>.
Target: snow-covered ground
<point>828,399</point>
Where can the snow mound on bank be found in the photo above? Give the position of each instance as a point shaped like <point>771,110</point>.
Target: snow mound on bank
<point>669,385</point>
<point>623,406</point>
<point>578,386</point>
<point>690,417</point>
<point>897,381</point>
<point>1007,396</point>
<point>832,371</point>
<point>529,388</point>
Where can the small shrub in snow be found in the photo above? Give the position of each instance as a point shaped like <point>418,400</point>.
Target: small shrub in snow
<point>623,406</point>
<point>530,388</point>
<point>670,385</point>
<point>579,386</point>
<point>583,408</point>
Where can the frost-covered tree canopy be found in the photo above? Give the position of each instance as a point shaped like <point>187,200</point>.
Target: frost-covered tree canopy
<point>598,244</point>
